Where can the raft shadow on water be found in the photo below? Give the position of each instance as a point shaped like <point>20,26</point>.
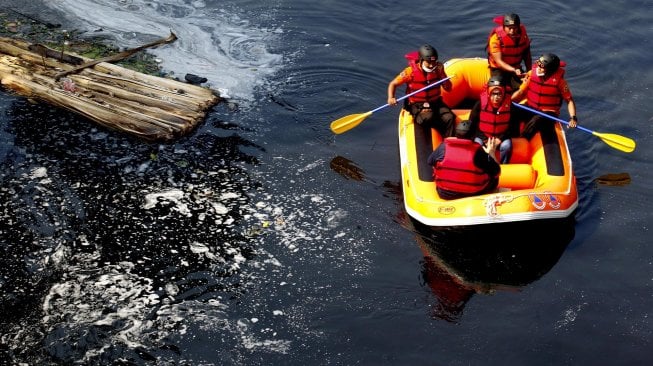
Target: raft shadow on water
<point>462,261</point>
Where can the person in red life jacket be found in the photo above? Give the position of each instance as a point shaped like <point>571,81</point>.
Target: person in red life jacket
<point>545,88</point>
<point>464,168</point>
<point>507,47</point>
<point>494,116</point>
<point>427,106</point>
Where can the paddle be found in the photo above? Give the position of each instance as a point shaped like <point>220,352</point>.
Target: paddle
<point>622,143</point>
<point>346,123</point>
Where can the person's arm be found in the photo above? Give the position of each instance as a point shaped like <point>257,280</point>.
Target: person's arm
<point>494,168</point>
<point>490,147</point>
<point>443,74</point>
<point>392,86</point>
<point>571,105</point>
<point>403,77</point>
<point>475,113</point>
<point>487,161</point>
<point>496,56</point>
<point>495,52</point>
<point>519,94</point>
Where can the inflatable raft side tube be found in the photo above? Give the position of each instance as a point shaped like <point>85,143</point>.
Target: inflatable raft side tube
<point>517,176</point>
<point>471,76</point>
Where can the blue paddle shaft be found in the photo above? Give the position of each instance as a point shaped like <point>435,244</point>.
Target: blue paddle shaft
<point>551,117</point>
<point>415,92</point>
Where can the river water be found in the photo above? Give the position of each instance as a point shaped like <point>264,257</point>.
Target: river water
<point>263,239</point>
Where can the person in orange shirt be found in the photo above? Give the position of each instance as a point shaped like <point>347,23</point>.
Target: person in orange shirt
<point>508,46</point>
<point>427,106</point>
<point>545,88</point>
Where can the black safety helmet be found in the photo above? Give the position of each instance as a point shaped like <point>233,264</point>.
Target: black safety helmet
<point>549,62</point>
<point>428,52</point>
<point>495,83</point>
<point>511,19</point>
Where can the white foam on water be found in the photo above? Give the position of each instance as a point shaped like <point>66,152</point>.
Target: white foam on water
<point>129,311</point>
<point>83,297</point>
<point>231,52</point>
<point>174,196</point>
<point>288,227</point>
<point>126,308</point>
<point>570,315</point>
<point>303,223</point>
<point>40,172</point>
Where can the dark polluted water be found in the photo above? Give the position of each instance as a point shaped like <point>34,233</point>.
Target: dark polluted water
<point>108,237</point>
<point>261,238</point>
<point>117,250</point>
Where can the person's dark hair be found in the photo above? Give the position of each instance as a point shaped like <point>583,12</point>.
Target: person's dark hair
<point>428,52</point>
<point>462,128</point>
<point>511,19</point>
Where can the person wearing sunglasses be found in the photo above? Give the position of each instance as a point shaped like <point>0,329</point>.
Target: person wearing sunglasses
<point>495,117</point>
<point>426,107</point>
<point>544,89</point>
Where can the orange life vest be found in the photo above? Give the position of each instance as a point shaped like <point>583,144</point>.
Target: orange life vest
<point>543,93</point>
<point>494,123</point>
<point>512,52</point>
<point>421,79</point>
<point>457,172</point>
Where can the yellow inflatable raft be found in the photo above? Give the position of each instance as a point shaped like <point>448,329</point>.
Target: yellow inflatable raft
<point>538,183</point>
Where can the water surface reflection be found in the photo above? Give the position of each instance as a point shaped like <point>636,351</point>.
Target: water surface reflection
<point>462,261</point>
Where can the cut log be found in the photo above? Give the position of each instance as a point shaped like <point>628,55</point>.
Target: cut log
<point>192,90</point>
<point>150,107</point>
<point>106,115</point>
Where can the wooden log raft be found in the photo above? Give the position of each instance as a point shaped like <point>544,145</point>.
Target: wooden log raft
<point>150,107</point>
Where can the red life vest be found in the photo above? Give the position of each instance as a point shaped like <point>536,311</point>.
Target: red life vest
<point>512,52</point>
<point>543,93</point>
<point>421,79</point>
<point>457,172</point>
<point>494,123</point>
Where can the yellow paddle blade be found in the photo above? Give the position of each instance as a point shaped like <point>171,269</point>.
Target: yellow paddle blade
<point>617,141</point>
<point>346,123</point>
